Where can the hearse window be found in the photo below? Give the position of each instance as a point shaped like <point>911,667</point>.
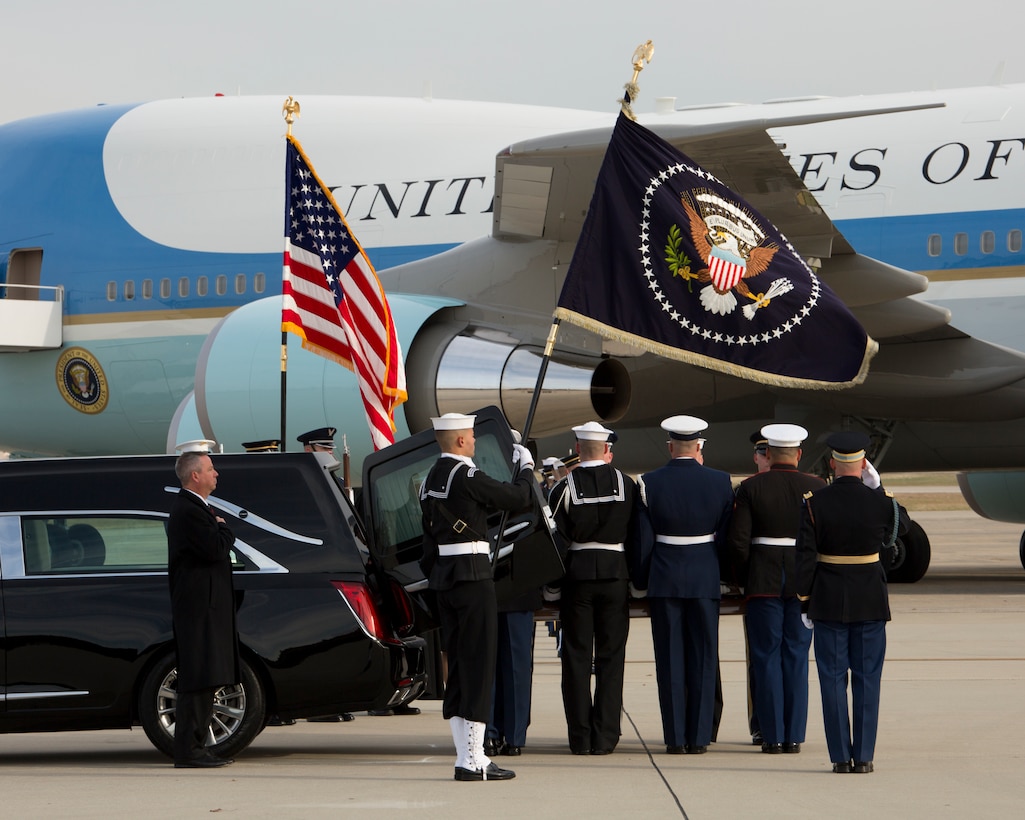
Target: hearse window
<point>396,499</point>
<point>1014,241</point>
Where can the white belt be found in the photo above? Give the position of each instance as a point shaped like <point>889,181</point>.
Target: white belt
<point>466,548</point>
<point>774,542</point>
<point>684,540</point>
<point>595,545</point>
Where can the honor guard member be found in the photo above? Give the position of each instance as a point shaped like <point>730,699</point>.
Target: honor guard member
<point>267,445</point>
<point>842,584</point>
<point>684,513</point>
<point>760,457</point>
<point>455,499</point>
<point>762,548</point>
<point>321,440</point>
<point>593,513</point>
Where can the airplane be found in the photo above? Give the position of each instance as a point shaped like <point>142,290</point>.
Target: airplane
<point>142,245</point>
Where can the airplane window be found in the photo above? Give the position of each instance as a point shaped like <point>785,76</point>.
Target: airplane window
<point>183,286</point>
<point>960,244</point>
<point>111,291</point>
<point>201,286</point>
<point>987,242</point>
<point>259,282</point>
<point>222,284</point>
<point>147,288</point>
<point>1014,241</point>
<point>129,290</point>
<point>240,283</point>
<point>165,288</point>
<point>935,244</point>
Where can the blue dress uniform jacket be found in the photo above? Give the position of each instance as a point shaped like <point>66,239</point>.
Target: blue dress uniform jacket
<point>594,508</point>
<point>455,500</point>
<point>682,498</point>
<point>843,585</point>
<point>685,511</point>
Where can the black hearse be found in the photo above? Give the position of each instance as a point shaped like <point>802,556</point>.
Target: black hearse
<point>331,614</point>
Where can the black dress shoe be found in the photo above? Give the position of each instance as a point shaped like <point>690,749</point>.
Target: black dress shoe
<point>863,766</point>
<point>491,772</point>
<point>580,751</point>
<point>696,750</point>
<point>406,709</point>
<point>792,748</point>
<point>676,750</point>
<point>772,748</point>
<point>511,751</point>
<point>380,712</point>
<point>756,739</point>
<point>207,761</point>
<point>492,747</point>
<point>347,716</point>
<point>842,768</point>
<point>279,721</point>
<point>600,751</point>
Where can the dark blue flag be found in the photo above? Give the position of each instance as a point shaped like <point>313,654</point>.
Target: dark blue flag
<point>671,260</point>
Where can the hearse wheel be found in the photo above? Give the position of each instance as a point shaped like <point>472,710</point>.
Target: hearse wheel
<point>239,710</point>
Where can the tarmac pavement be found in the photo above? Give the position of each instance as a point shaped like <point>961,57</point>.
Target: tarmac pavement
<point>950,738</point>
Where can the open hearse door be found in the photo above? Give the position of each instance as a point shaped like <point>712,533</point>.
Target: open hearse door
<point>528,556</point>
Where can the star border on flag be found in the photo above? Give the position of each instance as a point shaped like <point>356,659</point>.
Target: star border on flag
<point>665,305</point>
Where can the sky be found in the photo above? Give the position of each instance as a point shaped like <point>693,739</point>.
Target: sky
<point>63,54</point>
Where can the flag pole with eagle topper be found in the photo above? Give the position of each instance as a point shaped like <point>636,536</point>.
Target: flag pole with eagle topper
<point>673,262</point>
<point>331,296</point>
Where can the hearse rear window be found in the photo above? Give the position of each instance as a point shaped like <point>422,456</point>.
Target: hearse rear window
<point>61,545</point>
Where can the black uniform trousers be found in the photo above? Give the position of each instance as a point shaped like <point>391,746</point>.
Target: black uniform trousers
<point>469,630</point>
<point>595,623</point>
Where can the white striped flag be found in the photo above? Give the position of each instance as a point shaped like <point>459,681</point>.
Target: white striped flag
<point>333,299</point>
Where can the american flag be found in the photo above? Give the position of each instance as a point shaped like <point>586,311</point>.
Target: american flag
<point>333,299</point>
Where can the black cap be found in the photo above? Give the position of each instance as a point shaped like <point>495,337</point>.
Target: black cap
<point>759,441</point>
<point>268,445</point>
<point>321,437</point>
<point>848,445</point>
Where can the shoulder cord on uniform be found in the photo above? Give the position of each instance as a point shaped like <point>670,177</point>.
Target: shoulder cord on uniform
<point>896,523</point>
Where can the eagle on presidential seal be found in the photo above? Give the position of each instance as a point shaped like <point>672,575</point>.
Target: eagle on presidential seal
<point>732,245</point>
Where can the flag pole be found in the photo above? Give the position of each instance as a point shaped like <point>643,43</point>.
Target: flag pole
<point>290,110</point>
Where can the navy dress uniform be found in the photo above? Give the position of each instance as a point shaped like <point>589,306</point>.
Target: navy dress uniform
<point>843,585</point>
<point>683,518</point>
<point>762,551</point>
<point>455,499</point>
<point>594,506</point>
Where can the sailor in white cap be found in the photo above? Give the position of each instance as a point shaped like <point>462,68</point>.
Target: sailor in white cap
<point>456,498</point>
<point>762,557</point>
<point>594,508</point>
<point>199,573</point>
<point>842,583</point>
<point>199,445</point>
<point>685,509</point>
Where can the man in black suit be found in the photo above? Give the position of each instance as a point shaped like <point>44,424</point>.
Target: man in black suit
<point>202,605</point>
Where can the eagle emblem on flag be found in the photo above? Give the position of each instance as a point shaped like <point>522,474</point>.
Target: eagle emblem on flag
<point>734,248</point>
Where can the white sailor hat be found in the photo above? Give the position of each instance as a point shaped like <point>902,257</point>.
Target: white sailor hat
<point>551,462</point>
<point>684,428</point>
<point>199,445</point>
<point>593,431</point>
<point>784,435</point>
<point>453,421</point>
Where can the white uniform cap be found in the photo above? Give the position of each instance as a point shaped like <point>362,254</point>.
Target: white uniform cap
<point>199,445</point>
<point>453,421</point>
<point>684,428</point>
<point>592,431</point>
<point>784,435</point>
<point>552,462</point>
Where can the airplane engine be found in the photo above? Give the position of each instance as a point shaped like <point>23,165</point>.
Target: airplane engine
<point>449,367</point>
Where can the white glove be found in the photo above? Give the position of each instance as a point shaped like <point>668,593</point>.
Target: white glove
<point>637,593</point>
<point>807,621</point>
<point>869,476</point>
<point>551,595</point>
<point>522,455</point>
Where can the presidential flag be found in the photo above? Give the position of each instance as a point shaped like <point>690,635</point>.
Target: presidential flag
<point>671,260</point>
<point>333,299</point>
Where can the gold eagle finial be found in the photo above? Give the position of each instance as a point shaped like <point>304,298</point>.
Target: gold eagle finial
<point>290,111</point>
